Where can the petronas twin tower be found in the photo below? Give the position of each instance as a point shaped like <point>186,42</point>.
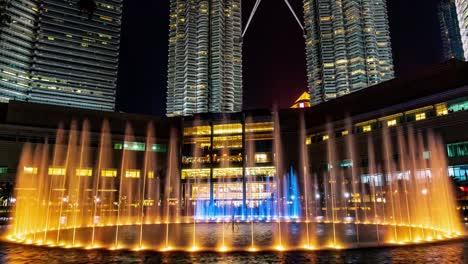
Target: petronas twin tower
<point>205,57</point>
<point>347,47</point>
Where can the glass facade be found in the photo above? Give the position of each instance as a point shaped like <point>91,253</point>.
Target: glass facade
<point>462,13</point>
<point>227,168</point>
<point>60,52</point>
<point>459,172</point>
<point>205,57</point>
<point>413,115</point>
<point>139,146</point>
<point>450,30</point>
<point>348,46</point>
<point>457,149</point>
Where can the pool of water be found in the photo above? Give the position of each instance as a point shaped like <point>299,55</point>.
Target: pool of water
<point>440,253</point>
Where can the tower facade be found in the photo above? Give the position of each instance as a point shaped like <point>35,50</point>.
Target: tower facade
<point>205,57</point>
<point>462,11</point>
<point>62,52</point>
<point>450,31</point>
<point>18,20</point>
<point>347,45</point>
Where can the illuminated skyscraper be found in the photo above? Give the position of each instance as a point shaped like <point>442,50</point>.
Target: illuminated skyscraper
<point>60,52</point>
<point>76,55</point>
<point>462,11</point>
<point>205,57</point>
<point>450,31</point>
<point>18,20</point>
<point>348,46</point>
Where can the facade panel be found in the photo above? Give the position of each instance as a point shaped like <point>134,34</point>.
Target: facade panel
<point>462,11</point>
<point>61,52</point>
<point>450,31</point>
<point>205,57</point>
<point>347,46</point>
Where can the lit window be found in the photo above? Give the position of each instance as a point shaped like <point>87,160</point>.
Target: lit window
<point>56,171</point>
<point>457,149</point>
<point>344,132</point>
<point>109,173</point>
<point>84,172</point>
<point>3,170</point>
<point>159,148</point>
<point>308,140</point>
<point>391,122</point>
<point>30,170</point>
<point>150,174</point>
<point>325,137</point>
<point>261,158</point>
<point>426,155</point>
<point>441,109</point>
<point>227,129</point>
<point>346,163</point>
<point>135,146</point>
<point>132,174</point>
<point>367,128</point>
<point>420,116</point>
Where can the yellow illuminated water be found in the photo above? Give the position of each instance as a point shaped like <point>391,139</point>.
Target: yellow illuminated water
<point>70,195</point>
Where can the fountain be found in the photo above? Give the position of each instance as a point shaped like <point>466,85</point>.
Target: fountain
<point>74,196</point>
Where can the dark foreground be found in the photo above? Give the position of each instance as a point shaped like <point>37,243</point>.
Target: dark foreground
<point>445,252</point>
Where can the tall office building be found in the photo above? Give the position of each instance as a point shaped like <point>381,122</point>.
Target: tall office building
<point>18,20</point>
<point>62,52</point>
<point>348,46</point>
<point>462,11</point>
<point>205,57</point>
<point>450,31</point>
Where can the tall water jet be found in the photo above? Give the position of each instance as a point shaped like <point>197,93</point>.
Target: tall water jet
<point>277,150</point>
<point>388,159</point>
<point>306,181</point>
<point>63,173</point>
<point>171,189</point>
<point>351,153</point>
<point>331,180</point>
<point>78,181</point>
<point>403,157</point>
<point>101,182</point>
<point>148,173</point>
<point>128,189</point>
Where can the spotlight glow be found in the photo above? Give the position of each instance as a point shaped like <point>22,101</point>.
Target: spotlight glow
<point>223,249</point>
<point>193,249</point>
<point>252,249</point>
<point>280,248</point>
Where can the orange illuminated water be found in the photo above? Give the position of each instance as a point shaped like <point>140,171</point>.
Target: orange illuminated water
<point>73,195</point>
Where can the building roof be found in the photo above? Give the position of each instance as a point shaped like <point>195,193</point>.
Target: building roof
<point>440,79</point>
<point>303,101</point>
<point>51,116</point>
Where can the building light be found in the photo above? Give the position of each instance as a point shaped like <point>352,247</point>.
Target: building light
<point>150,174</point>
<point>84,172</point>
<point>420,116</point>
<point>344,133</point>
<point>441,109</point>
<point>56,171</point>
<point>367,128</point>
<point>135,146</point>
<point>30,170</point>
<point>392,122</point>
<point>261,158</point>
<point>132,174</point>
<point>109,173</point>
<point>325,137</point>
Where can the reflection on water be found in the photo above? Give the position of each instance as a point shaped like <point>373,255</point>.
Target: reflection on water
<point>448,252</point>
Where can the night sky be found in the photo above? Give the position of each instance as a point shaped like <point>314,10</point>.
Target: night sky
<point>274,51</point>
